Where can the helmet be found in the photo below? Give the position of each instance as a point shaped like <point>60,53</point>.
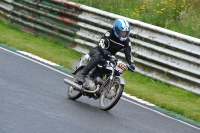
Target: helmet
<point>121,29</point>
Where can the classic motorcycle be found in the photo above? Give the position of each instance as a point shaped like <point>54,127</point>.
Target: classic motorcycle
<point>104,82</point>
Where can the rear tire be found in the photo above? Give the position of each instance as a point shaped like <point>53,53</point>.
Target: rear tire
<point>111,95</point>
<point>71,92</point>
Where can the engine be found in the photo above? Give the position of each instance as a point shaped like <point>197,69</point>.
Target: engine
<point>89,85</point>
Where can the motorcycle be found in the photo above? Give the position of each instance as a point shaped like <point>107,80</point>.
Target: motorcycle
<point>104,82</point>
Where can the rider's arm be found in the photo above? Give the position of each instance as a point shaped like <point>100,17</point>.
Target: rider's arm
<point>104,41</point>
<point>128,54</point>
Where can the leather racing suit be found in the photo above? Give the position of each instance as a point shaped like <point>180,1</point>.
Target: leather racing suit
<point>108,43</point>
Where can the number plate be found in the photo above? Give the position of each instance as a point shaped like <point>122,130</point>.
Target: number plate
<point>121,67</point>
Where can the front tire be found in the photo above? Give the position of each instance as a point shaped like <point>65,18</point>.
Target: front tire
<point>71,92</point>
<point>110,96</point>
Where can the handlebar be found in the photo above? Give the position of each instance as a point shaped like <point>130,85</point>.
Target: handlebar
<point>112,58</point>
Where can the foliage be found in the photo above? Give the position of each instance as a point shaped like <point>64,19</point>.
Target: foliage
<point>178,15</point>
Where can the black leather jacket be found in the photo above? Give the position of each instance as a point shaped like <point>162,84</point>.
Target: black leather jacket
<point>111,43</point>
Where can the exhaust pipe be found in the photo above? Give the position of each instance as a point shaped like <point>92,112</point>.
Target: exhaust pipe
<point>71,83</point>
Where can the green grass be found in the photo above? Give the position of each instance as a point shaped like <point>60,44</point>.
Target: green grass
<point>182,16</point>
<point>161,94</point>
<point>41,46</point>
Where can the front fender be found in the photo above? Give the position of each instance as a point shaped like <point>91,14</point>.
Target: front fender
<point>122,81</point>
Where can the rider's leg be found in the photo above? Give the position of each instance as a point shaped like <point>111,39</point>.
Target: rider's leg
<point>95,57</point>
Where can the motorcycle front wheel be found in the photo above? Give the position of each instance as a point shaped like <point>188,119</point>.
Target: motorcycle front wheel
<point>110,96</point>
<point>71,92</point>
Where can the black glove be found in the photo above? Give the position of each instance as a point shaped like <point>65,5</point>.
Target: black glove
<point>132,66</point>
<point>106,53</point>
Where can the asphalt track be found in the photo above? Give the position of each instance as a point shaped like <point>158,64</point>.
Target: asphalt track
<point>33,99</point>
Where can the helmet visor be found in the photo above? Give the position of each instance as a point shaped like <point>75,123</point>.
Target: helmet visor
<point>123,34</point>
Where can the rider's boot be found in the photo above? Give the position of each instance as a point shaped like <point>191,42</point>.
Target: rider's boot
<point>87,68</point>
<point>81,78</point>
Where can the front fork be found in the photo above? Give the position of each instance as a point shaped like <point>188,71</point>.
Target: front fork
<point>108,82</point>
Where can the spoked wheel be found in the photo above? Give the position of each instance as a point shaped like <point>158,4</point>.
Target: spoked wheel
<point>110,96</point>
<point>71,92</point>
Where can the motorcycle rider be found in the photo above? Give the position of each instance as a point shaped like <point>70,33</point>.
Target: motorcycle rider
<point>111,42</point>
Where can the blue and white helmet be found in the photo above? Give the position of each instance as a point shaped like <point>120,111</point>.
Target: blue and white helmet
<point>121,29</point>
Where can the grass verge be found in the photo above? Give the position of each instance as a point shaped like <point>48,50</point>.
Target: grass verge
<point>161,94</point>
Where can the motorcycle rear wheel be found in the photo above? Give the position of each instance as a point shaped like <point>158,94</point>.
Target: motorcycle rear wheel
<point>110,96</point>
<point>71,92</point>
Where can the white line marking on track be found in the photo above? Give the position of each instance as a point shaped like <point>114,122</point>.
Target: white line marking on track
<point>37,62</point>
<point>138,99</point>
<point>38,58</point>
<point>162,114</point>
